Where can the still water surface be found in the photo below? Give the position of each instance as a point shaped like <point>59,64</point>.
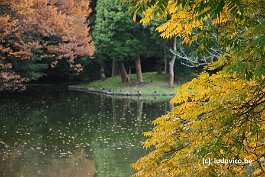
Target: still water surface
<point>59,133</point>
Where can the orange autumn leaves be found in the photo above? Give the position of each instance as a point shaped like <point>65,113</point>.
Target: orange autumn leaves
<point>26,25</point>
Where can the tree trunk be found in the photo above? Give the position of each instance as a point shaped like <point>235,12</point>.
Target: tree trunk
<point>113,70</point>
<point>102,73</point>
<point>130,72</point>
<point>124,76</point>
<point>165,62</point>
<point>138,68</point>
<point>171,65</point>
<point>159,67</point>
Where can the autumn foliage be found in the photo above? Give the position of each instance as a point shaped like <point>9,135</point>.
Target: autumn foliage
<point>220,115</point>
<point>44,29</point>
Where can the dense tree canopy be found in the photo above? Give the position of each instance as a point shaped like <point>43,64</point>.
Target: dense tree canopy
<point>216,116</point>
<point>115,33</point>
<point>116,36</point>
<point>36,33</point>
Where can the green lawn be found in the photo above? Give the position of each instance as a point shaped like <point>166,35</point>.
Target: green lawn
<point>152,83</point>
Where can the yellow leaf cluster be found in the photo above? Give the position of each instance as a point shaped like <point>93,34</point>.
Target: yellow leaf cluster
<point>218,116</point>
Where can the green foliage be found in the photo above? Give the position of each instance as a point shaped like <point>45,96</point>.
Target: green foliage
<point>90,70</point>
<point>115,35</point>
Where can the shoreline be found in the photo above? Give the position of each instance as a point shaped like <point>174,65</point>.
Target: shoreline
<point>111,92</point>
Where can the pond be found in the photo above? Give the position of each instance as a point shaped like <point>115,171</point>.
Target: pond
<point>52,132</point>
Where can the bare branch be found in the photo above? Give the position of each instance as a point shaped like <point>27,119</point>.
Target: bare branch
<point>195,61</point>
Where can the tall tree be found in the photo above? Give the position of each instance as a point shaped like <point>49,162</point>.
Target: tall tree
<point>220,115</point>
<point>171,64</point>
<point>117,37</point>
<point>40,32</point>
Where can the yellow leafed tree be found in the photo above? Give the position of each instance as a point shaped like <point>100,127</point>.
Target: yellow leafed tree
<point>216,116</point>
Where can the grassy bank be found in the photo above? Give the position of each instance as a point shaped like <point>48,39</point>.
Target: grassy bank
<point>153,84</point>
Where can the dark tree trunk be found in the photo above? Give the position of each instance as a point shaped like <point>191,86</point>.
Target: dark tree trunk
<point>138,68</point>
<point>159,67</point>
<point>130,70</point>
<point>113,70</point>
<point>102,73</point>
<point>123,73</point>
<point>171,65</point>
<point>165,67</point>
<point>165,61</point>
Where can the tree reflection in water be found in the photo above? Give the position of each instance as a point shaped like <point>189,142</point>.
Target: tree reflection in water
<point>63,133</point>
